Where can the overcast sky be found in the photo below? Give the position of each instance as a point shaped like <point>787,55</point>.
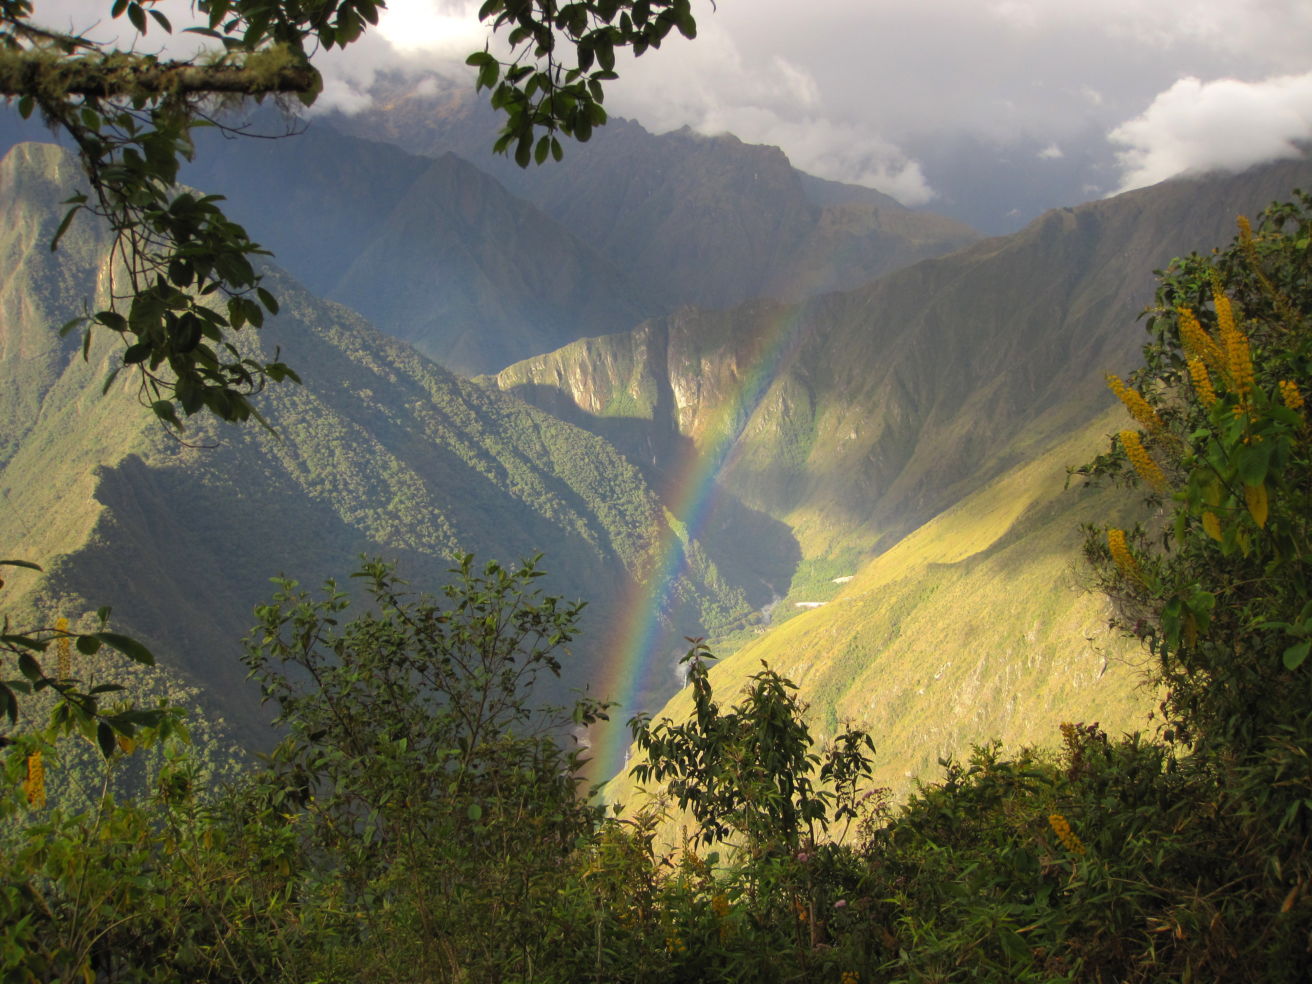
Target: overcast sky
<point>994,107</point>
<point>1072,99</point>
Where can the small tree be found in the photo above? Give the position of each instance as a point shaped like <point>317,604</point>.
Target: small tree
<point>438,803</point>
<point>751,771</point>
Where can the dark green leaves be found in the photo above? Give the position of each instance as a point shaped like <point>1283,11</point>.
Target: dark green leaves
<point>126,645</point>
<point>537,88</point>
<point>76,709</point>
<point>750,771</point>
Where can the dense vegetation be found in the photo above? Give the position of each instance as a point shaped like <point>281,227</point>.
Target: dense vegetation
<point>423,821</point>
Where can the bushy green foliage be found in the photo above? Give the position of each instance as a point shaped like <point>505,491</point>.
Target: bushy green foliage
<point>438,804</point>
<point>751,772</point>
<point>1223,602</point>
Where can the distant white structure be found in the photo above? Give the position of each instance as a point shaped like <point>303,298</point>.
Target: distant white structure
<point>844,579</point>
<point>809,604</point>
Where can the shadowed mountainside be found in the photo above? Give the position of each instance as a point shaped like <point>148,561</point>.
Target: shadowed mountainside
<point>381,452</point>
<point>709,221</point>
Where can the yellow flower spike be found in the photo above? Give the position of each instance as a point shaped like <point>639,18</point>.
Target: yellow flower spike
<point>720,906</point>
<point>1202,381</point>
<point>1062,828</point>
<point>63,652</point>
<point>34,787</point>
<point>1143,462</point>
<point>1196,341</point>
<point>1238,358</point>
<point>1212,525</point>
<point>1136,404</point>
<point>1256,499</point>
<point>1245,230</point>
<point>1290,395</point>
<point>1123,559</point>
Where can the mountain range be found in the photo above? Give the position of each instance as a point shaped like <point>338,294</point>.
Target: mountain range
<point>840,428</point>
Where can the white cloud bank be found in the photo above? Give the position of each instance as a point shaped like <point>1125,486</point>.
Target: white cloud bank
<point>1197,126</point>
<point>882,92</point>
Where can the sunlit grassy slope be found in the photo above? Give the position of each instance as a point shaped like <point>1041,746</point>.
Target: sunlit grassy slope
<point>972,627</point>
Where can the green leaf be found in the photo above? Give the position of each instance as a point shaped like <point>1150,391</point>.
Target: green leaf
<point>111,320</point>
<point>475,812</point>
<point>29,667</point>
<point>137,353</point>
<point>128,646</point>
<point>1252,460</point>
<point>1296,653</point>
<point>138,17</point>
<point>163,409</point>
<point>105,738</point>
<point>63,227</point>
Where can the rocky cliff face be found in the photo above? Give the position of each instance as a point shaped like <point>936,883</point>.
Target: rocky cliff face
<point>855,416</point>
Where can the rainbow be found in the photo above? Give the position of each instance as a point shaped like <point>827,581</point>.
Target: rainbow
<point>635,658</point>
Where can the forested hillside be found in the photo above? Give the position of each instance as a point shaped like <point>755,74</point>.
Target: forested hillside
<point>430,250</point>
<point>381,452</point>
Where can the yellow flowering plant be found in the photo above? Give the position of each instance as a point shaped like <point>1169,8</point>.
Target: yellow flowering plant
<point>1217,585</point>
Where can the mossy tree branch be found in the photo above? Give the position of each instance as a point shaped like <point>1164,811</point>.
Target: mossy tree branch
<point>46,75</point>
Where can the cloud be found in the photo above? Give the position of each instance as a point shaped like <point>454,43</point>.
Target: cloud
<point>420,38</point>
<point>878,91</point>
<point>1225,124</point>
<point>842,152</point>
<point>1052,152</point>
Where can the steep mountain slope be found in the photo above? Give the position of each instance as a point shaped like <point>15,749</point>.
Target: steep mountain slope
<point>431,250</point>
<point>381,452</point>
<point>855,417</point>
<point>438,253</point>
<point>972,627</point>
<point>709,221</point>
